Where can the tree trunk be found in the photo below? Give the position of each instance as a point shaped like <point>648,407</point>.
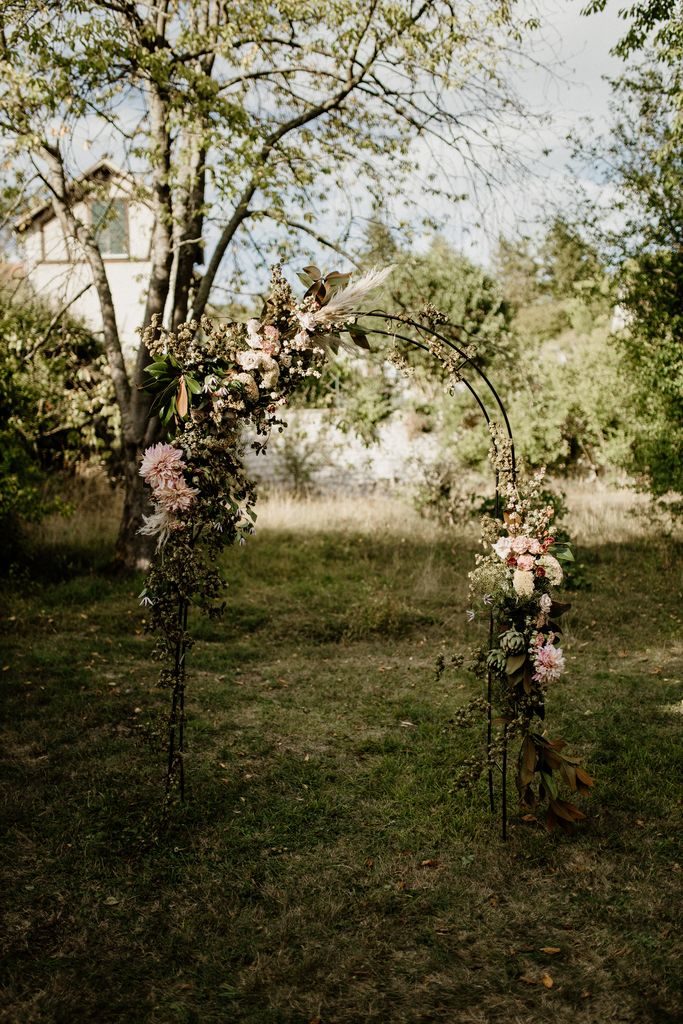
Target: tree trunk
<point>133,549</point>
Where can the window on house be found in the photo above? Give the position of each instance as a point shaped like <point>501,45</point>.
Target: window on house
<point>110,222</point>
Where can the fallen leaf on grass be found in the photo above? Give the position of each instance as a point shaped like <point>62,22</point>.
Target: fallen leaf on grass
<point>550,950</point>
<point>429,863</point>
<point>531,979</point>
<point>408,725</point>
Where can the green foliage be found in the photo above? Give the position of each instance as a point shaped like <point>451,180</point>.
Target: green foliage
<point>564,409</point>
<point>642,163</point>
<point>56,404</point>
<point>654,23</point>
<point>465,293</point>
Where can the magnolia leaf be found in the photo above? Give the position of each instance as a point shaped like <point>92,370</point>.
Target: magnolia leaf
<point>336,281</point>
<point>566,811</point>
<point>558,608</point>
<point>527,761</point>
<point>568,773</point>
<point>313,272</point>
<point>562,552</point>
<point>514,663</point>
<point>529,753</point>
<point>167,414</point>
<point>583,780</point>
<point>549,783</point>
<point>552,759</point>
<point>360,339</point>
<point>193,386</point>
<point>157,369</point>
<point>182,399</point>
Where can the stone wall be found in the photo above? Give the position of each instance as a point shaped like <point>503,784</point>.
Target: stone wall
<point>313,455</point>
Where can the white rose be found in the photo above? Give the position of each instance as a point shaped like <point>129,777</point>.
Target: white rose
<point>248,360</point>
<point>502,547</point>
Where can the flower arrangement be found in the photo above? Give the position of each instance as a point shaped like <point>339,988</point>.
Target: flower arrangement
<point>210,380</point>
<point>514,581</point>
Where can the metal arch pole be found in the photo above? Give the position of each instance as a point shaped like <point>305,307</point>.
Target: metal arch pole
<point>455,348</point>
<point>419,344</point>
<point>473,392</point>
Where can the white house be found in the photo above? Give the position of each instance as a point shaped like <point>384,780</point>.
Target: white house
<point>110,200</point>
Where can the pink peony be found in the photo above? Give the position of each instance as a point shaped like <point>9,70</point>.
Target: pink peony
<point>175,498</point>
<point>525,562</point>
<point>535,547</point>
<point>520,544</point>
<point>161,465</point>
<point>549,663</point>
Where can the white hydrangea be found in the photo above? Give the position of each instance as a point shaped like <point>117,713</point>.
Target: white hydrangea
<point>553,569</point>
<point>523,582</point>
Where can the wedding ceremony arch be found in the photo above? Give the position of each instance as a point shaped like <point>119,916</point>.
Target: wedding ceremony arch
<point>210,380</point>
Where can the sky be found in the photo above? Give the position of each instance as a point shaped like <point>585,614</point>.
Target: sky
<point>573,55</point>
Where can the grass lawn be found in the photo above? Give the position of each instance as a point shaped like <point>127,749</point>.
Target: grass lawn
<point>324,867</point>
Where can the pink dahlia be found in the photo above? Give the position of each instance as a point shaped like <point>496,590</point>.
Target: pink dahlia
<point>175,498</point>
<point>549,663</point>
<point>161,465</point>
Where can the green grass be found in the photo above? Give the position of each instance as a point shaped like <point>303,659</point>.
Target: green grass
<point>292,886</point>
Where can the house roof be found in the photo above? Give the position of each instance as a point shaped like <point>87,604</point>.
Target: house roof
<point>102,170</point>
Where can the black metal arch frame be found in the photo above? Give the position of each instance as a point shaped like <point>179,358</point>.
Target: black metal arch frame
<point>395,328</point>
<point>424,332</point>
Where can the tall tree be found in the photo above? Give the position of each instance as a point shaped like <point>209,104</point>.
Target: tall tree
<point>237,113</point>
<point>641,231</point>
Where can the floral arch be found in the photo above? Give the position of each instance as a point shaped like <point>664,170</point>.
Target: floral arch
<point>209,380</point>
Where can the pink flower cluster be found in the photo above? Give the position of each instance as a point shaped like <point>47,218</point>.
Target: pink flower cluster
<point>528,558</point>
<point>548,661</point>
<point>162,469</point>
